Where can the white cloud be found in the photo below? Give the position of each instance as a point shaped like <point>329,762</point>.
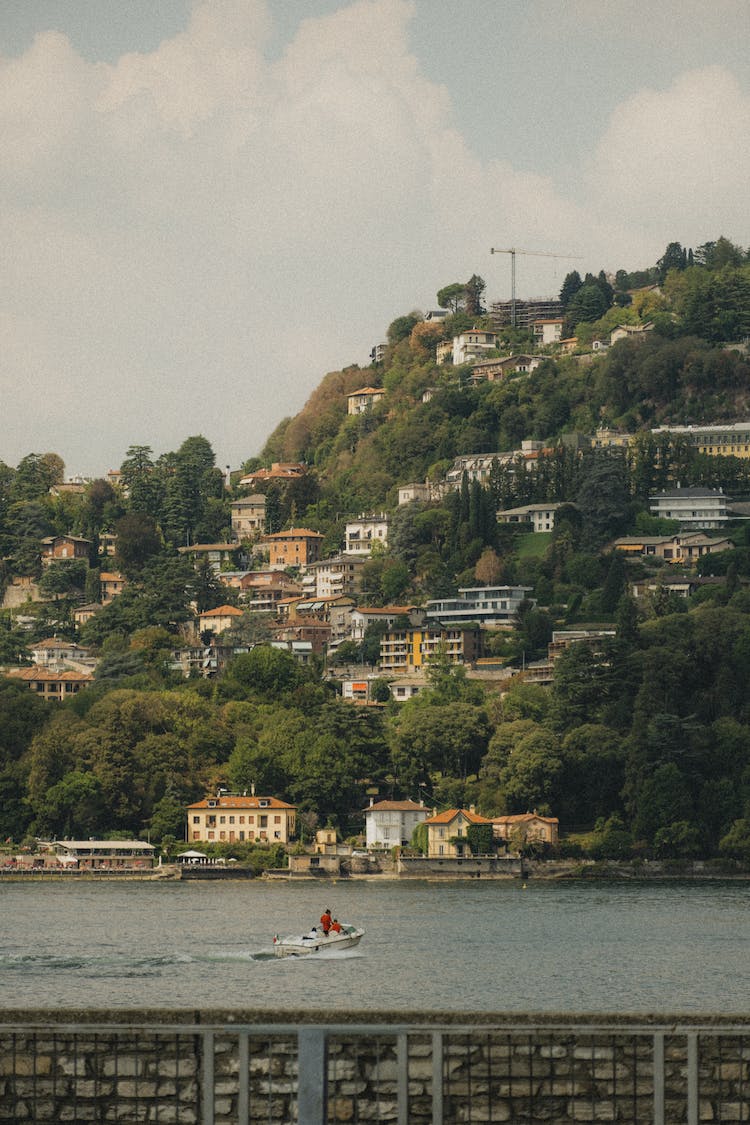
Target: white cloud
<point>193,236</point>
<point>678,158</point>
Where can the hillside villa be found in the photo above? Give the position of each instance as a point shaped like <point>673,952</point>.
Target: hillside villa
<point>234,818</point>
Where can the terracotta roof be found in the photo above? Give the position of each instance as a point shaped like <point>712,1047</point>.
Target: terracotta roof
<point>520,818</point>
<point>53,642</point>
<point>367,391</point>
<point>35,673</point>
<point>295,532</point>
<point>241,803</point>
<point>451,814</point>
<point>222,611</point>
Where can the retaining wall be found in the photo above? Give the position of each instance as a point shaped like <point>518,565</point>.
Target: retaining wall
<point>227,1068</point>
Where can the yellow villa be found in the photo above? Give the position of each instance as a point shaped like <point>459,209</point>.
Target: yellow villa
<point>232,819</point>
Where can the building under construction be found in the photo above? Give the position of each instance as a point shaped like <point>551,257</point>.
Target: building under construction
<point>526,312</point>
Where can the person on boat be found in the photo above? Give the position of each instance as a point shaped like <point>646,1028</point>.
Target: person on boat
<point>312,936</point>
<point>335,926</point>
<point>325,921</point>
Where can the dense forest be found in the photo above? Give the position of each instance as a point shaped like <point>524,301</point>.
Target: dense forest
<point>641,746</point>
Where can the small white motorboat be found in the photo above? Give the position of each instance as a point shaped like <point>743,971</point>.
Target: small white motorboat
<point>299,945</point>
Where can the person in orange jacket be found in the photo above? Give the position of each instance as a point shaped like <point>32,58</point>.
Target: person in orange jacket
<point>335,926</point>
<point>325,920</point>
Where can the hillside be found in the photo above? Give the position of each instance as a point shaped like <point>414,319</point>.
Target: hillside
<point>642,740</point>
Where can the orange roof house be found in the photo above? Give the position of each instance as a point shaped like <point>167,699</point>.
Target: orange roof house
<point>296,547</point>
<point>279,472</point>
<point>235,819</point>
<point>445,832</point>
<point>218,619</point>
<point>52,686</point>
<point>526,826</point>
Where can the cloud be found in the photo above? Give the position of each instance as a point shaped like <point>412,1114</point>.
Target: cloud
<point>194,235</point>
<point>679,157</point>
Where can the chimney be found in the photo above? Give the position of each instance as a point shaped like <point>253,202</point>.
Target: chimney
<point>472,808</point>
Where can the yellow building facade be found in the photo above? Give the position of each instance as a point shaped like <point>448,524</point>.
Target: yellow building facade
<point>232,819</point>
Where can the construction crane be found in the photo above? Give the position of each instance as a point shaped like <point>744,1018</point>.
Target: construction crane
<point>513,251</point>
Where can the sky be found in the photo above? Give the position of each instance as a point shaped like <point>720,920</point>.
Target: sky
<point>205,205</point>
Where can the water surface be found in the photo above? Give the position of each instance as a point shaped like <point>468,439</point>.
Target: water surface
<point>606,947</point>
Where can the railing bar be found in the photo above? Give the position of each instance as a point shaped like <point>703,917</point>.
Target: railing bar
<point>271,1053</point>
<point>207,1075</point>
<point>741,1084</point>
<point>364,1029</point>
<point>437,1078</point>
<point>634,1077</point>
<point>692,1079</point>
<point>658,1067</point>
<point>489,1073</point>
<point>75,1076</point>
<point>378,1048</point>
<point>177,1061</point>
<point>243,1090</point>
<point>312,1080</point>
<point>402,1072</point>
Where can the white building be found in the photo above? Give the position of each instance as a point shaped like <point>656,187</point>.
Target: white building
<point>492,606</point>
<point>692,507</point>
<point>341,574</point>
<point>358,402</point>
<point>473,344</point>
<point>390,824</point>
<point>548,331</point>
<point>540,516</point>
<point>364,531</point>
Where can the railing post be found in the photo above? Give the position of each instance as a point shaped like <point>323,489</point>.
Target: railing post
<point>402,1068</point>
<point>312,1079</point>
<point>208,1077</point>
<point>692,1078</point>
<point>437,1078</point>
<point>243,1095</point>
<point>658,1063</point>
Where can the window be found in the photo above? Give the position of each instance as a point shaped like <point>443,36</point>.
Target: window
<point>277,820</point>
<point>231,820</point>
<point>222,835</point>
<point>222,820</point>
<point>211,835</point>
<point>196,820</point>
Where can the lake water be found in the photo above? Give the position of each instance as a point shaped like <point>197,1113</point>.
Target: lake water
<point>604,947</point>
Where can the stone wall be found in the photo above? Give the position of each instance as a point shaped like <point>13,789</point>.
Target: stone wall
<point>189,1068</point>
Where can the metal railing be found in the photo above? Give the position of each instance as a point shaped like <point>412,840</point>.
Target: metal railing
<point>404,1073</point>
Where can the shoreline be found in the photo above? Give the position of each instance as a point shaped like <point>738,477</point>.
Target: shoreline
<point>541,874</point>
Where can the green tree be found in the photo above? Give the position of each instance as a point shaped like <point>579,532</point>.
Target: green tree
<point>532,775</point>
<point>475,288</point>
<point>265,671</point>
<point>452,296</point>
<point>138,540</point>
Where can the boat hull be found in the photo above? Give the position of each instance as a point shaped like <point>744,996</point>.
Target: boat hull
<point>298,946</point>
